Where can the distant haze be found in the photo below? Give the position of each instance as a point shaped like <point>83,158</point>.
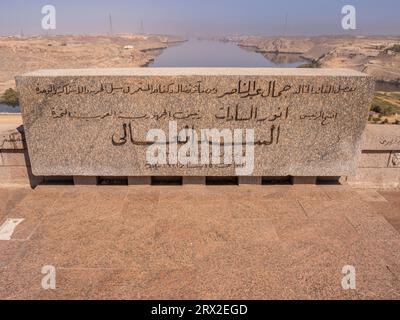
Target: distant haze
<point>201,17</point>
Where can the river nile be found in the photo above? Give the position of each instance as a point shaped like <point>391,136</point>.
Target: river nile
<point>206,53</point>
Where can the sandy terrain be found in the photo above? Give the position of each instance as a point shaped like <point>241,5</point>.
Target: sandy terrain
<point>126,50</point>
<point>372,55</point>
<point>9,121</point>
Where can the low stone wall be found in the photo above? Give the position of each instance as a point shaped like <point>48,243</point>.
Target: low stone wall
<point>379,164</point>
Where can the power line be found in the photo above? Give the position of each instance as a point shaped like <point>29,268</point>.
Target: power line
<point>111,26</point>
<point>141,27</point>
<point>286,23</point>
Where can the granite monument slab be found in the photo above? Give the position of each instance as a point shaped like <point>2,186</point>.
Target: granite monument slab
<point>195,121</point>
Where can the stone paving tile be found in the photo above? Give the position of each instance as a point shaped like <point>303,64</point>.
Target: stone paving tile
<point>8,250</point>
<point>139,209</point>
<point>266,209</point>
<point>251,231</point>
<point>84,254</point>
<point>19,284</point>
<point>335,228</point>
<point>309,193</point>
<point>110,199</point>
<point>297,230</point>
<point>195,208</point>
<point>333,208</point>
<point>390,211</point>
<point>385,254</point>
<point>280,192</point>
<point>82,200</point>
<point>273,192</point>
<point>76,227</point>
<point>41,199</point>
<point>244,282</point>
<point>10,198</point>
<point>98,216</point>
<point>373,228</point>
<point>339,192</point>
<point>195,193</point>
<point>171,284</point>
<point>370,195</point>
<point>70,284</point>
<point>141,203</point>
<point>191,230</point>
<point>242,271</point>
<point>308,253</point>
<point>390,195</point>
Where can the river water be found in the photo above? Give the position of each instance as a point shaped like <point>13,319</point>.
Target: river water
<point>8,109</point>
<point>206,53</point>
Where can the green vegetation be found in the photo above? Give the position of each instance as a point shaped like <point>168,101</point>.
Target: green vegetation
<point>385,104</point>
<point>383,108</point>
<point>313,64</point>
<point>395,48</point>
<point>10,97</point>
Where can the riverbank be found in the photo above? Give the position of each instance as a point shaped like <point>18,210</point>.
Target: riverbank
<point>378,56</point>
<point>20,55</point>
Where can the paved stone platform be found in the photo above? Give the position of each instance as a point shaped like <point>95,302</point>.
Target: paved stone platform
<point>201,242</point>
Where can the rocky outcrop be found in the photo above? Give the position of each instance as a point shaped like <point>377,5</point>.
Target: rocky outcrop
<point>377,56</point>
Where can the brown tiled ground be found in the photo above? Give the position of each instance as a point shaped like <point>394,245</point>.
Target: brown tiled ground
<point>201,242</point>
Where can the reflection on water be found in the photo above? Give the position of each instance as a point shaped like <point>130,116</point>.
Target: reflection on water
<point>9,109</point>
<point>387,86</point>
<point>206,53</point>
<point>285,59</point>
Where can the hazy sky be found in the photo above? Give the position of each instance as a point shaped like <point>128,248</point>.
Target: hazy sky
<point>201,17</point>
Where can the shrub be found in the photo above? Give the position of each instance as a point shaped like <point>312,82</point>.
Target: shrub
<point>10,97</point>
<point>313,64</point>
<point>395,48</point>
<point>383,108</point>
